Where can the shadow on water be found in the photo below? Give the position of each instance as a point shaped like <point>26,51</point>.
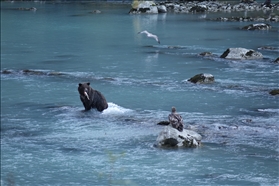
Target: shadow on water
<point>166,46</point>
<point>72,150</point>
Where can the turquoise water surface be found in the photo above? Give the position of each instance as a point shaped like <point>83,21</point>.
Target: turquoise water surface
<point>47,138</point>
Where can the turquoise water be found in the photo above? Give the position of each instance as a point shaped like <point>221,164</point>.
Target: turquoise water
<point>47,138</point>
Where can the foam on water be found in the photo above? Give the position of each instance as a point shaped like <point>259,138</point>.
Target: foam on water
<point>114,109</point>
<point>269,110</point>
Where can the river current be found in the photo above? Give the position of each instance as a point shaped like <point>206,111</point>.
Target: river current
<point>48,139</point>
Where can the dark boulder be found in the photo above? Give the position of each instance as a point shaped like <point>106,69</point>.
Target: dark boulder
<point>202,78</point>
<point>6,72</point>
<point>274,92</point>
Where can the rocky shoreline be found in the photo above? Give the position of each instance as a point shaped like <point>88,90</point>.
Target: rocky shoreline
<point>151,7</point>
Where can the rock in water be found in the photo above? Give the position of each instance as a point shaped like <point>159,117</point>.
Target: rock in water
<point>241,53</point>
<point>257,26</point>
<point>274,92</point>
<point>202,78</point>
<point>170,137</point>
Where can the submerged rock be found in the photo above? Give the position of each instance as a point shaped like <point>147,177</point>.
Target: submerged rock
<point>38,72</point>
<point>274,92</point>
<point>269,48</point>
<point>28,9</point>
<point>241,53</point>
<point>257,26</point>
<point>96,12</point>
<point>170,137</point>
<point>202,78</point>
<point>206,54</point>
<point>6,72</point>
<point>33,72</point>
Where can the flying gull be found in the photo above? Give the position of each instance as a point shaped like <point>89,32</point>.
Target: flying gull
<point>150,35</point>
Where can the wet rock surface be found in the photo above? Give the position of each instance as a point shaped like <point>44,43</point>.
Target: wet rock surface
<point>257,26</point>
<point>202,78</point>
<point>241,53</point>
<point>139,7</point>
<point>170,137</point>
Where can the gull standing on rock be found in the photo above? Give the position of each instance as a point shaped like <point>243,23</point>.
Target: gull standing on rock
<point>150,35</point>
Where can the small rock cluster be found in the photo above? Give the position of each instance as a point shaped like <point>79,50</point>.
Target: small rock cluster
<point>234,54</point>
<point>197,6</point>
<point>272,18</point>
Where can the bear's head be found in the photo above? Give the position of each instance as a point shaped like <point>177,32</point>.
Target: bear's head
<point>83,90</point>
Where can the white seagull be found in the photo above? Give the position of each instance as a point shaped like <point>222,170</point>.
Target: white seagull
<point>150,35</point>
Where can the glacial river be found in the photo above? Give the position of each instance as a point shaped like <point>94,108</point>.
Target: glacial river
<point>48,139</point>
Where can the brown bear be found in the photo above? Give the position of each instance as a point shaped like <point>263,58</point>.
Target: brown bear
<point>91,98</point>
